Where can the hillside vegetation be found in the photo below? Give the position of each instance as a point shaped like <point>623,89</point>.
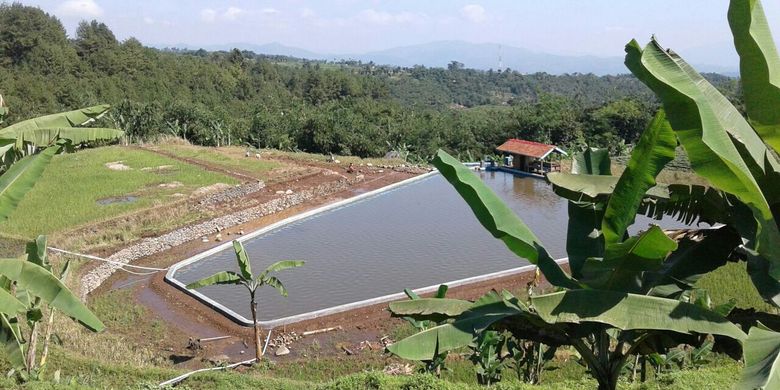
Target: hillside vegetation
<point>347,108</point>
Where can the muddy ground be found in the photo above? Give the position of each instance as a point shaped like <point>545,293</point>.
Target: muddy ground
<point>359,331</point>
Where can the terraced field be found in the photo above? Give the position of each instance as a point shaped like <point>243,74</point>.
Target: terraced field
<point>97,184</point>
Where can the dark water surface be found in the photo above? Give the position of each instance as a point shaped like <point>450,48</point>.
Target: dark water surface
<point>413,236</point>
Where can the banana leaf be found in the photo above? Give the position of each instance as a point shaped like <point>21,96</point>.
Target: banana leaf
<point>37,252</point>
<point>653,151</point>
<point>583,234</point>
<point>223,277</point>
<point>73,118</point>
<point>592,161</point>
<point>759,68</point>
<point>43,137</point>
<point>9,304</point>
<point>592,188</point>
<point>689,203</point>
<point>499,219</point>
<point>20,178</point>
<point>12,341</point>
<point>457,334</point>
<point>762,360</point>
<point>632,312</point>
<point>43,284</point>
<point>277,284</point>
<point>625,263</point>
<point>424,308</point>
<point>243,260</point>
<point>281,266</point>
<point>705,123</point>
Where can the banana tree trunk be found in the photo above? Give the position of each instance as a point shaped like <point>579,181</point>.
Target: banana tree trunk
<point>47,338</point>
<point>31,347</point>
<point>258,347</point>
<point>598,363</point>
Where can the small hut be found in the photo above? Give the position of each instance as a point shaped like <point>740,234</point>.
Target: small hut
<point>531,157</point>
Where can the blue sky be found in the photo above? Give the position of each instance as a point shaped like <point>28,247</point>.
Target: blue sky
<point>599,27</point>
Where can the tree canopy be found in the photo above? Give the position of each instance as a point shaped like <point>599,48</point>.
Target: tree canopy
<point>346,107</point>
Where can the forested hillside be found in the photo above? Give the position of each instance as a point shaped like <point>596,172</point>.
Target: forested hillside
<point>214,98</point>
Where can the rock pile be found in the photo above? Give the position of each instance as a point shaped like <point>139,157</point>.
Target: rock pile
<point>232,193</point>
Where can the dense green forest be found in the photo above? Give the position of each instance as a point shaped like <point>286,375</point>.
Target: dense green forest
<point>215,98</point>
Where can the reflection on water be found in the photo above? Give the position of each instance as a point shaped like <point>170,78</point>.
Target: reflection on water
<point>417,235</point>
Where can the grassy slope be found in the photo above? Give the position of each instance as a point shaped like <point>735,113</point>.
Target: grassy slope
<point>732,281</point>
<point>91,374</point>
<point>66,195</point>
<point>225,157</point>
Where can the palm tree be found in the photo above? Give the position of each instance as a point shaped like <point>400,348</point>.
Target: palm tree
<point>245,278</point>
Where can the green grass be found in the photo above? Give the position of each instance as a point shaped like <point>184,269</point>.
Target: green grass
<point>732,281</point>
<point>67,193</point>
<point>76,373</point>
<point>226,157</point>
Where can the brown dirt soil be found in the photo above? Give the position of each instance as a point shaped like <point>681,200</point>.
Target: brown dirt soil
<point>187,318</point>
<point>362,330</point>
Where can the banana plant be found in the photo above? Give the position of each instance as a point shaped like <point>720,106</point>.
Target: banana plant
<point>608,314</point>
<point>488,356</point>
<point>22,350</point>
<point>633,293</point>
<point>27,283</point>
<point>736,155</point>
<point>245,278</point>
<point>435,365</point>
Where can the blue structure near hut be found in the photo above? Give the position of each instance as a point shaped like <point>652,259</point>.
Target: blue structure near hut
<point>530,157</point>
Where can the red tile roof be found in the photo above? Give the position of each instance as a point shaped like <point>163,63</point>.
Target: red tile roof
<point>525,148</point>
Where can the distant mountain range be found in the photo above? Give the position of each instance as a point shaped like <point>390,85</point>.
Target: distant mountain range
<point>473,55</point>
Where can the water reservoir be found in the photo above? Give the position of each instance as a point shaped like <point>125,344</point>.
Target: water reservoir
<point>417,234</point>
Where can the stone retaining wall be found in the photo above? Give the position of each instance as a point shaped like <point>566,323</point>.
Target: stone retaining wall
<point>93,279</point>
<point>233,193</point>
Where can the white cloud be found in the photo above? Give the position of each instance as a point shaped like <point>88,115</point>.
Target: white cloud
<point>148,20</point>
<point>269,11</point>
<point>232,13</point>
<point>382,17</point>
<point>208,15</point>
<point>473,12</point>
<point>80,8</point>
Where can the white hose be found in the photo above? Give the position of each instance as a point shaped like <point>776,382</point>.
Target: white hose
<point>109,261</point>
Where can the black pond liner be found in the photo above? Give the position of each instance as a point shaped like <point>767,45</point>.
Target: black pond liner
<point>365,250</point>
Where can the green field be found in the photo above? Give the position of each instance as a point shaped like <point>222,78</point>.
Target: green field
<point>67,195</point>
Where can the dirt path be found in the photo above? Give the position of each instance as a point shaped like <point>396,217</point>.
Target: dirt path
<point>243,176</point>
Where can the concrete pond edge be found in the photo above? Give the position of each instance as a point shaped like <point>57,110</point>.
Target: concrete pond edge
<point>241,320</point>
